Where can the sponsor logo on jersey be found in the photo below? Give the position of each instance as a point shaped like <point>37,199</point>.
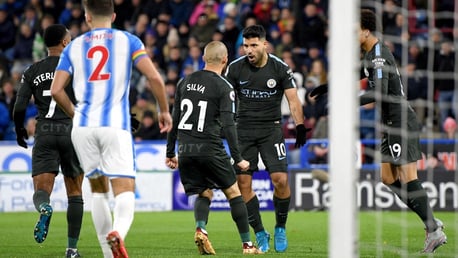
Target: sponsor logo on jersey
<point>378,62</point>
<point>257,94</point>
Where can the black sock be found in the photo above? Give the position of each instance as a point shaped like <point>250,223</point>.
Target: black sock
<point>254,216</point>
<point>201,209</point>
<point>75,211</point>
<point>281,210</point>
<point>40,197</point>
<point>396,188</point>
<point>239,214</point>
<point>417,200</point>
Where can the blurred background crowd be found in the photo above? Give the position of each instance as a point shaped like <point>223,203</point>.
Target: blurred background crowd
<point>175,31</point>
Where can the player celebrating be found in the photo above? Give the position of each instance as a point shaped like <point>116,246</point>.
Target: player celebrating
<point>260,80</point>
<point>204,104</point>
<point>53,145</point>
<point>101,63</point>
<point>400,144</point>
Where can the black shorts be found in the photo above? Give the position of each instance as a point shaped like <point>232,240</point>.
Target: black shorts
<point>200,173</point>
<point>401,146</point>
<point>269,142</point>
<point>51,151</point>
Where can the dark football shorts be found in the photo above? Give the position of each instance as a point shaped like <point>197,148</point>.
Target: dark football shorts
<point>269,142</point>
<point>50,151</point>
<point>401,146</point>
<point>200,173</point>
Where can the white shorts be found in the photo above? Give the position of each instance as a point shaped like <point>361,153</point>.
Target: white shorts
<point>104,151</point>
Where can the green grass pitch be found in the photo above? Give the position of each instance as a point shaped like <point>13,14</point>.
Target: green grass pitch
<point>171,234</point>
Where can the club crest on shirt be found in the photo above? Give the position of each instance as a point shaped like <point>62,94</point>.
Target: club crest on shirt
<point>271,83</point>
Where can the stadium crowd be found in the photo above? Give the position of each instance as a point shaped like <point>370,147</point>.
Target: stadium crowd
<point>175,31</point>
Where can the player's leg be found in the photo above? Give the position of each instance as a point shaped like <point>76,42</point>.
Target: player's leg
<point>44,170</point>
<point>239,214</point>
<point>273,154</point>
<point>43,185</point>
<point>86,147</point>
<point>101,213</point>
<point>117,162</point>
<point>201,212</point>
<point>73,178</point>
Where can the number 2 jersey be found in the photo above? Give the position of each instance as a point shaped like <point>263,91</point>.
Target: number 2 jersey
<point>36,80</point>
<point>101,64</point>
<point>204,105</point>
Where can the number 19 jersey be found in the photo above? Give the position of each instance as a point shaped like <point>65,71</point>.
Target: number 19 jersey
<point>101,64</point>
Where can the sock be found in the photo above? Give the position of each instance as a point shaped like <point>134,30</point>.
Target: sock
<point>254,216</point>
<point>123,213</point>
<point>101,217</point>
<point>40,197</point>
<point>396,188</point>
<point>239,214</point>
<point>281,211</point>
<point>417,200</point>
<point>201,211</point>
<point>74,219</point>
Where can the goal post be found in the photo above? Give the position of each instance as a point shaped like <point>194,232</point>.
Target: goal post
<point>343,127</point>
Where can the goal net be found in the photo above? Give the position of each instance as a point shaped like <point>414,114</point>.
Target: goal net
<point>422,36</point>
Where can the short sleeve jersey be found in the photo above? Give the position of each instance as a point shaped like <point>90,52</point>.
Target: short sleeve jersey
<point>199,101</point>
<point>380,68</point>
<point>101,64</point>
<point>259,90</point>
<point>36,80</point>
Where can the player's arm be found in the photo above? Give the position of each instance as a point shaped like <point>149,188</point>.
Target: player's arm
<point>171,160</point>
<point>20,106</point>
<point>146,67</point>
<point>60,81</point>
<point>295,106</point>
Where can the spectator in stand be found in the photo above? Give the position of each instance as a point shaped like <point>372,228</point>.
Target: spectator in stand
<point>444,69</point>
<point>5,120</point>
<point>39,49</point>
<point>286,43</point>
<point>203,30</point>
<point>230,34</point>
<point>22,51</point>
<point>54,8</point>
<point>180,11</point>
<point>262,10</point>
<point>143,104</point>
<point>31,18</point>
<point>8,32</point>
<point>390,10</point>
<point>8,95</point>
<point>318,70</point>
<point>204,6</point>
<point>149,128</point>
<point>310,28</point>
<point>286,22</point>
<point>194,58</point>
<point>449,128</point>
<point>124,11</point>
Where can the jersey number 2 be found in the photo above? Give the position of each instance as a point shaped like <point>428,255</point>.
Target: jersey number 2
<point>96,75</point>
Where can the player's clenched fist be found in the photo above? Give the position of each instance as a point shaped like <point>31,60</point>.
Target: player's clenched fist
<point>244,165</point>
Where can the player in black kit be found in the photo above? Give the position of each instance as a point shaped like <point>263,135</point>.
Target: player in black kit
<point>400,146</point>
<point>204,105</point>
<point>260,80</point>
<point>53,146</point>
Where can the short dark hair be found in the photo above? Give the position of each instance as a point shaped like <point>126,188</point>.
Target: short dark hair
<point>368,20</point>
<point>54,34</point>
<point>254,31</point>
<point>99,7</point>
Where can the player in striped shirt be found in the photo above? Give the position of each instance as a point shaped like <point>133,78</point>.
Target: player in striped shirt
<point>100,62</point>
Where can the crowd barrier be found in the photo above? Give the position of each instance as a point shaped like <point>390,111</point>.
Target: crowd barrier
<point>159,188</point>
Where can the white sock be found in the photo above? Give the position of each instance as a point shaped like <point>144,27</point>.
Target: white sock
<point>123,213</point>
<point>101,217</point>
